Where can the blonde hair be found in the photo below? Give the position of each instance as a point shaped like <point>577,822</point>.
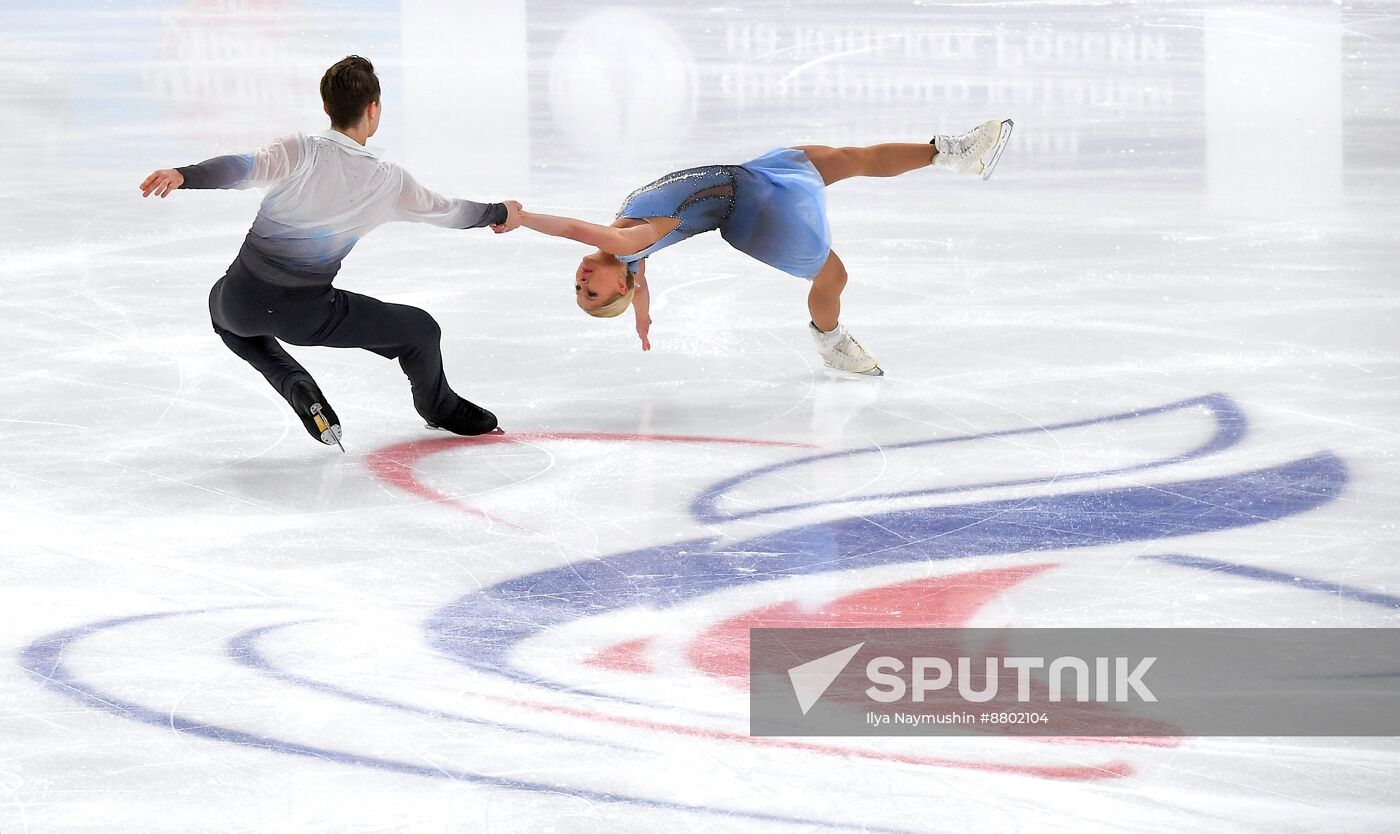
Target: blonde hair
<point>618,304</point>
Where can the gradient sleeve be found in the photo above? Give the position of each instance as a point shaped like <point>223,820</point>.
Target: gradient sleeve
<point>262,167</point>
<point>419,205</point>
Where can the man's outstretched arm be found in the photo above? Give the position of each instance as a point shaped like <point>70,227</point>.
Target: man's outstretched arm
<point>231,171</point>
<point>420,205</point>
<point>261,167</point>
<point>228,171</point>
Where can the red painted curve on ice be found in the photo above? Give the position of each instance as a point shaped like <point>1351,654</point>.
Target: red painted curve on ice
<point>722,651</point>
<point>627,656</point>
<point>397,464</point>
<point>1108,770</point>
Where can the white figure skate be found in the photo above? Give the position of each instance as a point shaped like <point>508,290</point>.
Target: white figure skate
<point>974,152</point>
<point>841,351</point>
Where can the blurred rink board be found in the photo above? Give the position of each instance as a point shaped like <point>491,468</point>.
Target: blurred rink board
<point>161,82</point>
<point>1093,90</point>
<point>234,75</point>
<point>1273,82</point>
<point>466,95</point>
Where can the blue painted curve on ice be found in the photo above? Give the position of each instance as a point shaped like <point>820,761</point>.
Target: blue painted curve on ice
<point>481,628</point>
<point>1230,428</point>
<point>44,660</point>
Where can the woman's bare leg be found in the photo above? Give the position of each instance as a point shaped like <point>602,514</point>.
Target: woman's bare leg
<point>836,164</point>
<point>824,299</point>
<point>838,348</point>
<point>891,160</point>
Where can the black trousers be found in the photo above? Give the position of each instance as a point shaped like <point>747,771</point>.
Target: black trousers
<point>251,316</point>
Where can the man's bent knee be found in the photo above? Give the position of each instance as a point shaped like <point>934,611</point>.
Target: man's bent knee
<point>423,328</point>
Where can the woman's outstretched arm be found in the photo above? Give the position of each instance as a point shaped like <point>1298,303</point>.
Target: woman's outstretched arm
<point>610,239</point>
<point>641,303</point>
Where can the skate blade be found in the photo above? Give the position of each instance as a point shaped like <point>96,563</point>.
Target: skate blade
<point>875,371</point>
<point>330,435</point>
<point>989,161</point>
<point>496,430</point>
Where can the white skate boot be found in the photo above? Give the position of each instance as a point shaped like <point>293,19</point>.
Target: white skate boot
<point>974,152</point>
<point>841,351</point>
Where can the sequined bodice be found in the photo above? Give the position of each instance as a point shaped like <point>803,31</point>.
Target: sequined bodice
<point>700,198</point>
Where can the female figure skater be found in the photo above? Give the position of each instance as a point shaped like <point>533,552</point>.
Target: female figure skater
<point>772,208</point>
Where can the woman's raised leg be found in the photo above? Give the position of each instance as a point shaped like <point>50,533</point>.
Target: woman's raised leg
<point>889,160</point>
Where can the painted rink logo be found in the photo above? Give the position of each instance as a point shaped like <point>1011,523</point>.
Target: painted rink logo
<point>932,547</point>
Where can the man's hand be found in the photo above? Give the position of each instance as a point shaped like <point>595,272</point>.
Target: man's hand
<point>512,218</point>
<point>162,182</point>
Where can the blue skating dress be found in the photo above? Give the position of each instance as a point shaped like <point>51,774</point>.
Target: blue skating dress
<point>772,208</point>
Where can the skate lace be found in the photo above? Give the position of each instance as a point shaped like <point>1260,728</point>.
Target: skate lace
<point>848,346</point>
<point>970,143</point>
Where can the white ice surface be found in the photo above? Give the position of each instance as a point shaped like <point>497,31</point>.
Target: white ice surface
<point>1198,199</point>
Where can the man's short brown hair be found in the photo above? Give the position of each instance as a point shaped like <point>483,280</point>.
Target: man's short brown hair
<point>347,89</point>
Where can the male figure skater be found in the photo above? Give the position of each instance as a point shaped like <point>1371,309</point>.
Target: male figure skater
<point>324,193</point>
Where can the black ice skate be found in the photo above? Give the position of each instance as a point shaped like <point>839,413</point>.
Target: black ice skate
<point>315,413</point>
<point>468,419</point>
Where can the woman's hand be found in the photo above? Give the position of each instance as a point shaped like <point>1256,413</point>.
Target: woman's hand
<point>513,209</point>
<point>641,303</point>
<point>162,182</point>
